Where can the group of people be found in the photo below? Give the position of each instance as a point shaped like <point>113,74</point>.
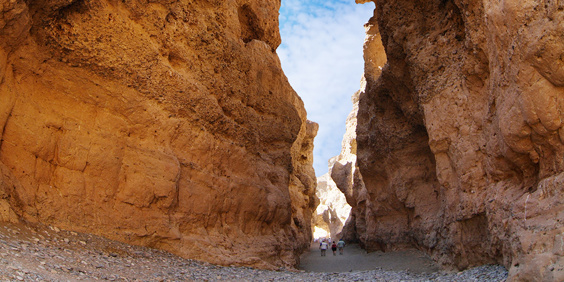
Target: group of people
<point>324,245</point>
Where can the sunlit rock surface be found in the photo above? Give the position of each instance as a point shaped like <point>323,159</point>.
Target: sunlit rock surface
<point>332,211</point>
<point>346,176</point>
<point>460,135</point>
<point>166,124</point>
<point>346,181</point>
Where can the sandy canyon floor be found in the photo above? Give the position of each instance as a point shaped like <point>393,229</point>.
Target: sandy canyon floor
<point>48,254</point>
<point>356,259</point>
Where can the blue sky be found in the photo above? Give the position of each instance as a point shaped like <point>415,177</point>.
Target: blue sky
<point>321,54</point>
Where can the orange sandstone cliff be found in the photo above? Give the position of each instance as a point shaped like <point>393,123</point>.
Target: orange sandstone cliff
<point>168,124</point>
<point>460,134</point>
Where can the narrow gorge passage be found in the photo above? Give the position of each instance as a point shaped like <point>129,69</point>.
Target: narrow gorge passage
<point>355,258</point>
<point>170,128</point>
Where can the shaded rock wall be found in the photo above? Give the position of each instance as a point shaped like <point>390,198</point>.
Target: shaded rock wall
<point>166,124</point>
<point>344,172</point>
<point>459,140</point>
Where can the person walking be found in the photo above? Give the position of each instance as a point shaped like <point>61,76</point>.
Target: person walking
<point>341,246</point>
<point>334,248</point>
<point>323,248</point>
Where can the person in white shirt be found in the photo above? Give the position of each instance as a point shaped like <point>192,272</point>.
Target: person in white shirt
<point>324,246</point>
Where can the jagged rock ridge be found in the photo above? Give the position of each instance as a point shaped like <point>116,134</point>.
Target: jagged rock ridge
<point>166,124</point>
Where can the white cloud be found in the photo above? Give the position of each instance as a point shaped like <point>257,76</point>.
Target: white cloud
<point>321,54</point>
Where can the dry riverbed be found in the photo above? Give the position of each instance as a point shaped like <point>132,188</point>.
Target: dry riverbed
<point>49,254</point>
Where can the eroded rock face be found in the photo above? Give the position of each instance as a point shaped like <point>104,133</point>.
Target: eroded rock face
<point>333,209</point>
<point>344,180</point>
<point>345,174</point>
<point>166,124</point>
<point>460,142</point>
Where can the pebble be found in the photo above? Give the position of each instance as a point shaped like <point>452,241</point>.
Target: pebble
<point>59,261</point>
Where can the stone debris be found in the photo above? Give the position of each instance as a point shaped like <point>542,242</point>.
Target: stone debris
<point>103,259</point>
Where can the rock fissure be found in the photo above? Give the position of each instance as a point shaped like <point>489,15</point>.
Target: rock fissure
<point>5,122</point>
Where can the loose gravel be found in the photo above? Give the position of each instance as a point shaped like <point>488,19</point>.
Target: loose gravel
<point>42,253</point>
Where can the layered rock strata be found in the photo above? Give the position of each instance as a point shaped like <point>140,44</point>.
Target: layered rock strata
<point>460,139</point>
<point>165,124</point>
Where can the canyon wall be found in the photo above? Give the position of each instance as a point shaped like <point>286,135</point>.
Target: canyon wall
<point>167,124</point>
<point>344,172</point>
<point>460,134</point>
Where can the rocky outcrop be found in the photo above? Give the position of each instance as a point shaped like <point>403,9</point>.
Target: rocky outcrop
<point>459,140</point>
<point>332,211</point>
<point>166,124</point>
